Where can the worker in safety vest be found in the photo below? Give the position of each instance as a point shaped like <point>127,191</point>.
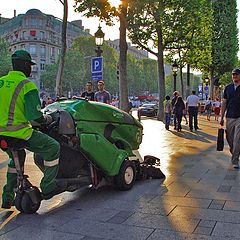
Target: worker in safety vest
<point>20,104</point>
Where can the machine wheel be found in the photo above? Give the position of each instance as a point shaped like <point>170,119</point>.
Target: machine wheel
<point>126,176</point>
<point>27,205</point>
<point>18,201</point>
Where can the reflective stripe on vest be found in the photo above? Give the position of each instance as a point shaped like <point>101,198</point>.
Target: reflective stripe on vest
<point>51,163</point>
<point>10,126</point>
<point>11,170</point>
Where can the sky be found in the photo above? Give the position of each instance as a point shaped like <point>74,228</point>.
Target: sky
<point>55,8</point>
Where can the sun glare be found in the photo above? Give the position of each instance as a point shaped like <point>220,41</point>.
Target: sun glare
<point>115,3</point>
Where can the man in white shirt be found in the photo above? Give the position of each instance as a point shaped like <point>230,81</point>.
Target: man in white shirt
<point>192,105</point>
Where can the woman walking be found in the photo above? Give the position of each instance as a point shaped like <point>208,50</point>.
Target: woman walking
<point>178,110</point>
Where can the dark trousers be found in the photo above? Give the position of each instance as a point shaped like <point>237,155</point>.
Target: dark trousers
<point>179,121</point>
<point>193,113</point>
<point>167,120</point>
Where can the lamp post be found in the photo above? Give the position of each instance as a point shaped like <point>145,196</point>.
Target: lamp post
<point>174,69</point>
<point>99,37</point>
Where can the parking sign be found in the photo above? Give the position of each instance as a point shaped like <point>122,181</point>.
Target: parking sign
<point>97,68</point>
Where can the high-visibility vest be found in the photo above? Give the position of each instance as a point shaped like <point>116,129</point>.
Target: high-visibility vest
<point>13,122</point>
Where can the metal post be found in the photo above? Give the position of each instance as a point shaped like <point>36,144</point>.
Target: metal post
<point>174,82</point>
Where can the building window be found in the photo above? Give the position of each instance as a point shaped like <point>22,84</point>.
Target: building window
<point>23,46</point>
<point>52,52</point>
<point>33,22</point>
<point>42,35</point>
<point>43,50</point>
<point>33,49</point>
<point>24,35</point>
<point>42,65</point>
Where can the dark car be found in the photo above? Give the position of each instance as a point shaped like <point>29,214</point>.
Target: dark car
<point>148,109</point>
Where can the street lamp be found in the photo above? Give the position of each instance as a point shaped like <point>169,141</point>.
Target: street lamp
<point>99,37</point>
<point>174,69</point>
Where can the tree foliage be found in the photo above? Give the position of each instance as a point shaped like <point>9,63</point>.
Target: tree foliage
<point>77,71</point>
<point>106,12</point>
<point>225,39</point>
<point>163,25</point>
<point>5,60</point>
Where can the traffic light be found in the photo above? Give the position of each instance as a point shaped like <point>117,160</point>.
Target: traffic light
<point>117,72</point>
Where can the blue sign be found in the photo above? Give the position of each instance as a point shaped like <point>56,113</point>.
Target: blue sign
<point>97,68</point>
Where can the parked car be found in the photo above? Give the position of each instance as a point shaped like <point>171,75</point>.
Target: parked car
<point>147,109</point>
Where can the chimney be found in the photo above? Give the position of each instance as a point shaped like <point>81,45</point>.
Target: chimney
<point>15,13</point>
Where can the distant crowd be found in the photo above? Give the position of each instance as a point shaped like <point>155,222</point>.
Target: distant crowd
<point>175,109</point>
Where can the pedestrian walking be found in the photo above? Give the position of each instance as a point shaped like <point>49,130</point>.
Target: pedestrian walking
<point>217,108</point>
<point>88,94</point>
<point>192,105</point>
<point>230,106</point>
<point>167,111</point>
<point>178,111</point>
<point>102,95</point>
<point>208,108</point>
<point>174,99</point>
<point>22,105</point>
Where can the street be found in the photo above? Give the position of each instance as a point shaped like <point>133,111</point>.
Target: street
<point>199,199</point>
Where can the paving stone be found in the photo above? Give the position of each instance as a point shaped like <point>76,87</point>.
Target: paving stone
<point>232,206</point>
<point>229,230</point>
<point>144,207</point>
<point>224,189</point>
<point>120,217</point>
<point>162,222</point>
<point>206,214</point>
<point>182,201</point>
<point>173,235</point>
<point>221,202</point>
<point>91,238</point>
<point>227,196</point>
<point>106,230</point>
<point>216,206</point>
<point>203,230</point>
<point>230,177</point>
<point>40,233</point>
<point>207,223</point>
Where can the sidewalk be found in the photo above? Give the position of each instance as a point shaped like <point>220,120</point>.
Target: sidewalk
<point>199,199</point>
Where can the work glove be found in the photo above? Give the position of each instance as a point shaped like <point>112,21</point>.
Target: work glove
<point>48,119</point>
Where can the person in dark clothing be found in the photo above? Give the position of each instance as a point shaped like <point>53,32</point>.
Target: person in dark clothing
<point>88,94</point>
<point>174,99</point>
<point>178,111</point>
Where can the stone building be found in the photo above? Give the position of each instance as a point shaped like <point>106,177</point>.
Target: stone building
<point>40,34</point>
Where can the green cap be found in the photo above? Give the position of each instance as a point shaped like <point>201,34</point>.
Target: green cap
<point>23,55</point>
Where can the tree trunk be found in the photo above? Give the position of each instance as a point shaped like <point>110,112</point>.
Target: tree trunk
<point>188,81</point>
<point>63,51</point>
<point>181,79</point>
<point>211,81</point>
<point>123,84</point>
<point>161,75</point>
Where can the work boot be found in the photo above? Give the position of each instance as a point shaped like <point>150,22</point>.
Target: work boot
<point>7,204</point>
<point>60,187</point>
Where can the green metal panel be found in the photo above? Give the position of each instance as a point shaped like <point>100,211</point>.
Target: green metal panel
<point>106,156</point>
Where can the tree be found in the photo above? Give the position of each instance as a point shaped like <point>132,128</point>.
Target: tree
<point>156,25</point>
<point>63,49</point>
<point>5,60</point>
<point>106,12</point>
<point>77,71</point>
<point>225,39</point>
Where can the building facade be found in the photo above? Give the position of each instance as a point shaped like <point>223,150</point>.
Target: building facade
<point>138,54</point>
<point>39,34</point>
